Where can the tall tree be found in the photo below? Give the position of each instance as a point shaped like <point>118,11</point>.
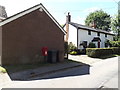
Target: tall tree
<point>115,26</point>
<point>100,19</point>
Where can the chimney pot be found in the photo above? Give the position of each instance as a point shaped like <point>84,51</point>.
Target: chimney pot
<point>68,18</point>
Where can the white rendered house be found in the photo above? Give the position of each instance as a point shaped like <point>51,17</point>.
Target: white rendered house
<point>77,34</point>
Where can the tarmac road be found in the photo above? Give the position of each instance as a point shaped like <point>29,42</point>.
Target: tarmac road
<point>95,76</point>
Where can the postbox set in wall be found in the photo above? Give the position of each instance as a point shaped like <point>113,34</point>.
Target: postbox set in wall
<point>44,51</point>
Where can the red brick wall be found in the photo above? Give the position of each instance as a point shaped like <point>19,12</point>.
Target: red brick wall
<point>24,37</point>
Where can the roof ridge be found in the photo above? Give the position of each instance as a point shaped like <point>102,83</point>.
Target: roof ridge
<point>88,28</point>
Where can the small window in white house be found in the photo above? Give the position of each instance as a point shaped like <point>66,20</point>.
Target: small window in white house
<point>105,35</point>
<point>98,34</point>
<point>89,32</point>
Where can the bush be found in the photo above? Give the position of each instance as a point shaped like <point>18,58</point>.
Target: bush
<point>78,52</point>
<point>114,43</point>
<point>91,45</point>
<point>82,51</point>
<point>73,53</point>
<point>3,70</point>
<point>71,47</point>
<point>107,43</point>
<point>100,52</point>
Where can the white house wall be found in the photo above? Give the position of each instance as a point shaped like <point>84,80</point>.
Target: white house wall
<point>83,36</point>
<point>72,35</point>
<point>109,37</point>
<point>103,39</point>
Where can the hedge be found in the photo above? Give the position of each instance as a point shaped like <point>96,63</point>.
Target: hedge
<point>100,52</point>
<point>116,50</point>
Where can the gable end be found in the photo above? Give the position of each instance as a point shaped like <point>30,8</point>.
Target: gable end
<point>39,6</point>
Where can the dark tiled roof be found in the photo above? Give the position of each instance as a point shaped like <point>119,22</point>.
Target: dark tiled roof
<point>79,26</point>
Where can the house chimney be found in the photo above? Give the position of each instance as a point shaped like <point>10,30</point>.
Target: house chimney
<point>68,19</point>
<point>3,13</point>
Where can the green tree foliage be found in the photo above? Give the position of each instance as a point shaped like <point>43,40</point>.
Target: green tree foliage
<point>100,18</point>
<point>115,26</point>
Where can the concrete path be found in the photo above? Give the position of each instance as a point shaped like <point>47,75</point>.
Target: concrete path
<point>4,78</point>
<point>84,59</point>
<point>99,73</point>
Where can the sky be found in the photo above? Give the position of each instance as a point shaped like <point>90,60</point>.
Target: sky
<point>79,9</point>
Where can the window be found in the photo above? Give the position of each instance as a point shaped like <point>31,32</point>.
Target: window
<point>98,34</point>
<point>89,32</point>
<point>105,35</point>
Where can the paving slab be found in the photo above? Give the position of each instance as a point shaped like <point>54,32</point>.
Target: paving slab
<point>4,78</point>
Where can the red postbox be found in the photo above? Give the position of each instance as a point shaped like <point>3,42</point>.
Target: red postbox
<point>44,51</point>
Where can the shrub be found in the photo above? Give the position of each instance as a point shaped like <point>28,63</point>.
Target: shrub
<point>71,47</point>
<point>73,53</point>
<point>3,70</point>
<point>100,52</point>
<point>91,45</point>
<point>107,43</point>
<point>82,51</point>
<point>115,43</point>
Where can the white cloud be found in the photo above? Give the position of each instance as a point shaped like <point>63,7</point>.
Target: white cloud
<point>89,10</point>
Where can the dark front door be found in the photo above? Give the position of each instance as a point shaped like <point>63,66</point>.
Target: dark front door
<point>98,43</point>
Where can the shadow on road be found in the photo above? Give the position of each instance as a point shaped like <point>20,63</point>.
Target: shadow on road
<point>78,69</point>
